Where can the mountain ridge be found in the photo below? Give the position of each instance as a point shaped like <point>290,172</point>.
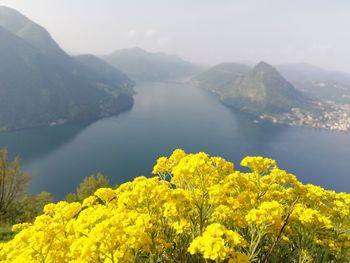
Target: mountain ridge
<point>318,82</point>
<point>258,90</point>
<point>43,86</point>
<point>142,65</point>
<point>20,25</point>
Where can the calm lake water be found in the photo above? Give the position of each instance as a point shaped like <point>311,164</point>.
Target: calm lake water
<point>166,117</point>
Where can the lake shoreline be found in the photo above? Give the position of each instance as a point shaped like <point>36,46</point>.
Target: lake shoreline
<point>166,117</point>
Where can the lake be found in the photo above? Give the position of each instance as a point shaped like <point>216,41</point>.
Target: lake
<point>165,117</point>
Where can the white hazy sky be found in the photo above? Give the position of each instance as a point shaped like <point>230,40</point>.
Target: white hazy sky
<point>202,31</point>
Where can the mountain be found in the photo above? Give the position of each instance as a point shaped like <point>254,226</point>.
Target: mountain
<point>145,66</point>
<point>40,84</point>
<point>317,82</point>
<point>301,72</point>
<point>104,72</point>
<point>258,90</point>
<point>339,76</point>
<point>223,77</point>
<point>32,33</point>
<point>332,91</point>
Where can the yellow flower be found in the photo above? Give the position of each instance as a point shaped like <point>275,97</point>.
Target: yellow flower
<point>217,242</point>
<point>206,211</point>
<point>267,214</point>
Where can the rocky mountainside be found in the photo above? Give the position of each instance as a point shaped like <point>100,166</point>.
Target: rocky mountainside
<point>258,90</point>
<point>222,78</point>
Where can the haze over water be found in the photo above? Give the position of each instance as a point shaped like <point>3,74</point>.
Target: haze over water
<point>166,117</point>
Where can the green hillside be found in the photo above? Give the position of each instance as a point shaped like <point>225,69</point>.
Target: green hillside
<point>222,78</point>
<point>317,82</point>
<point>34,34</point>
<point>258,90</point>
<point>106,74</point>
<point>40,84</point>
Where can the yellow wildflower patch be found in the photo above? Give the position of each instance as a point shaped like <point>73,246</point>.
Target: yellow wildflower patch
<point>196,209</point>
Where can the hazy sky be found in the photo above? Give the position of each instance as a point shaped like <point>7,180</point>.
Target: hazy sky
<point>202,31</point>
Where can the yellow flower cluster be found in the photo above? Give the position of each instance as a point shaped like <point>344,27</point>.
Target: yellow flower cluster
<point>217,242</point>
<point>197,209</point>
<point>266,215</point>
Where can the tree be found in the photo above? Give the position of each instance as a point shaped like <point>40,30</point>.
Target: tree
<point>32,206</point>
<point>12,182</point>
<point>88,187</point>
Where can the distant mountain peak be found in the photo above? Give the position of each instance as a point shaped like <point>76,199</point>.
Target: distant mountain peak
<point>259,90</point>
<point>265,67</point>
<point>12,20</point>
<point>5,10</point>
<point>140,51</point>
<point>41,85</point>
<point>142,65</point>
<point>136,49</point>
<point>263,64</point>
<point>36,35</point>
<point>131,49</point>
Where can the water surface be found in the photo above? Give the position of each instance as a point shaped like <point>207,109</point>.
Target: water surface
<point>166,117</point>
